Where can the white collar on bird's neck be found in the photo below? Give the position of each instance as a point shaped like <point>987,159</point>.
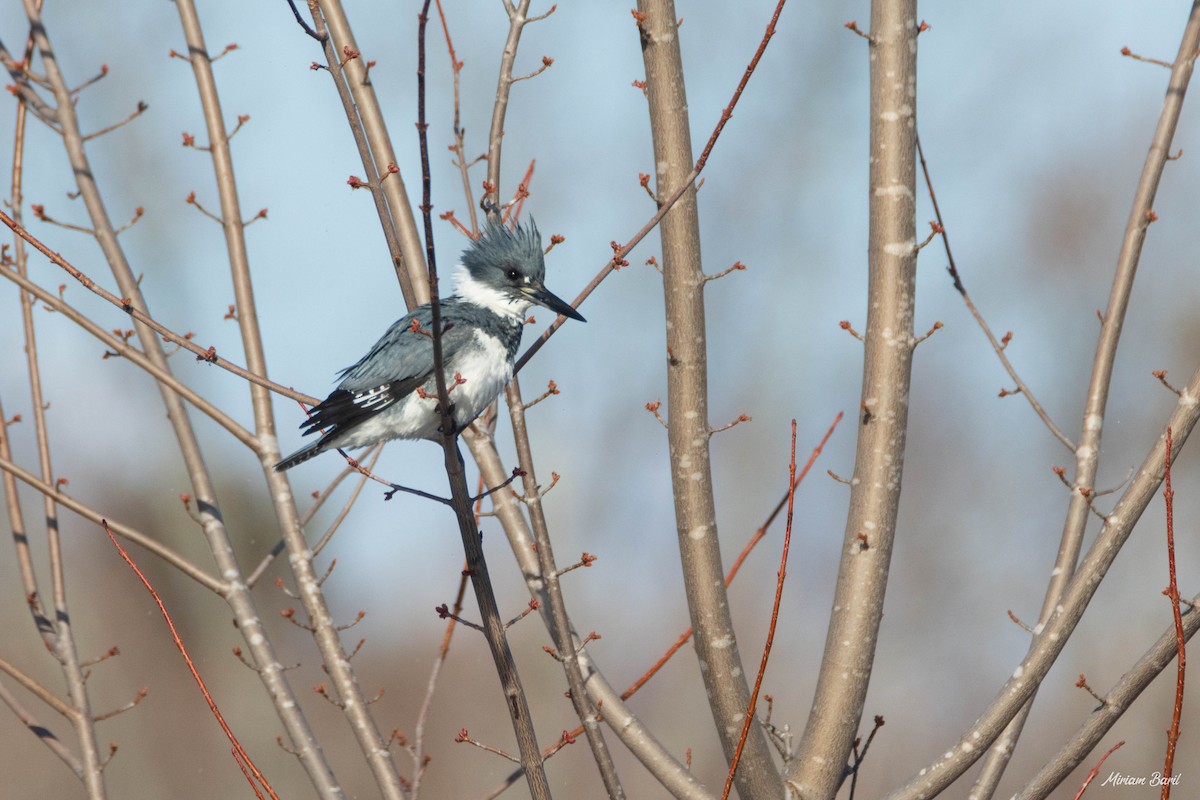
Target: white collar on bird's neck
<point>472,291</point>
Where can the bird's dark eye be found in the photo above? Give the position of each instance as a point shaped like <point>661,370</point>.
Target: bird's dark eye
<point>512,274</point>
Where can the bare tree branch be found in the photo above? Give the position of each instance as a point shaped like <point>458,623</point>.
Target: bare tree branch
<point>142,317</point>
<point>325,632</point>
<point>238,597</point>
<point>688,429</point>
<point>517,19</point>
<point>1017,690</point>
<point>62,642</point>
<point>997,345</point>
<point>889,341</point>
<point>375,173</point>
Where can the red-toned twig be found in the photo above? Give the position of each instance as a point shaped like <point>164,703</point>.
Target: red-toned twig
<point>848,328</point>
<point>624,250</point>
<point>1125,51</point>
<point>547,62</point>
<point>852,26</point>
<point>762,668</point>
<point>99,76</point>
<point>241,754</point>
<point>1082,683</point>
<point>137,215</point>
<point>1172,592</point>
<point>1161,374</point>
<point>1096,770</point>
<point>246,774</point>
<point>653,409</point>
<point>551,389</point>
<point>739,419</point>
<point>513,212</point>
<point>192,201</point>
<point>737,267</point>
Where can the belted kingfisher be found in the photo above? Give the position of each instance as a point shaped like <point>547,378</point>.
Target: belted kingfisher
<point>391,392</point>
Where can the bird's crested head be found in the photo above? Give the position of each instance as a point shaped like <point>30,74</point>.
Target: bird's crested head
<point>504,270</point>
<point>500,250</point>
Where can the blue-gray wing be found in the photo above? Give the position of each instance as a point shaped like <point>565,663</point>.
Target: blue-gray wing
<point>400,362</point>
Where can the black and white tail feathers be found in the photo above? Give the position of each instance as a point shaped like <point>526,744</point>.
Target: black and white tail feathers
<point>302,455</point>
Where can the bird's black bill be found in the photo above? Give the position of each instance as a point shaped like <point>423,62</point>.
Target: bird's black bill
<point>544,297</point>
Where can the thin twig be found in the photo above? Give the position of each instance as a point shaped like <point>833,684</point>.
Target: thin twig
<point>417,748</point>
<point>36,689</point>
<point>242,755</point>
<point>762,668</point>
<point>460,159</point>
<point>137,112</point>
<point>861,755</point>
<point>621,252</point>
<point>202,354</point>
<point>1172,593</point>
<point>997,346</point>
<point>1096,769</point>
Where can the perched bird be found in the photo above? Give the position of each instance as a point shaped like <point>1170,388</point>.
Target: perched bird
<point>391,393</point>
